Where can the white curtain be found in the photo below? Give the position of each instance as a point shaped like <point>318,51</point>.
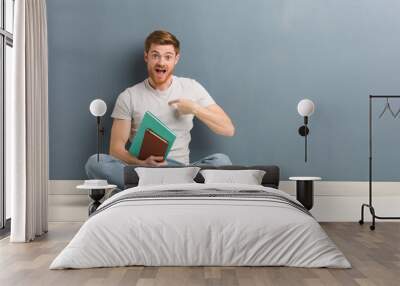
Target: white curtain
<point>27,135</point>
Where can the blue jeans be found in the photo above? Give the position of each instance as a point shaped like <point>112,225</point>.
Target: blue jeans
<point>112,169</point>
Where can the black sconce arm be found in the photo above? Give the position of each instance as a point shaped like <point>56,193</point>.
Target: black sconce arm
<point>304,131</point>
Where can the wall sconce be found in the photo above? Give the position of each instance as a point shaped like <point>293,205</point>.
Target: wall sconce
<point>98,108</point>
<point>305,108</point>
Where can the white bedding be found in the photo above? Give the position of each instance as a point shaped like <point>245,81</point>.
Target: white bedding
<point>200,231</point>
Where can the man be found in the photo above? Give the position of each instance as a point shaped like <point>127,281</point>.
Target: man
<point>174,100</point>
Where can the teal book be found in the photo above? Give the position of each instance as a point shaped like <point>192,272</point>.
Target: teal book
<point>150,121</point>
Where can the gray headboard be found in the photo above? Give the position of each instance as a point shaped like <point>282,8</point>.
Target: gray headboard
<point>270,179</point>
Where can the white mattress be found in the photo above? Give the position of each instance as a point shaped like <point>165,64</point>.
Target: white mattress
<point>200,231</point>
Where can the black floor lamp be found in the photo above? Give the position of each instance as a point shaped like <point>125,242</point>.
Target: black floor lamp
<point>305,108</point>
<point>98,108</point>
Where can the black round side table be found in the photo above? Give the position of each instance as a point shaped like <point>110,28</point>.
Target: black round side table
<point>305,190</point>
<point>96,193</point>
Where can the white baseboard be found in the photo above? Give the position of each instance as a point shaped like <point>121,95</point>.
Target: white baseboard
<point>333,201</point>
<point>66,202</point>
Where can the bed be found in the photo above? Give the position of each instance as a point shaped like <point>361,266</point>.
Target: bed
<point>201,224</point>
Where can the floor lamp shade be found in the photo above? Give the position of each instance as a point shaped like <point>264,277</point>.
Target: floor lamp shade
<point>305,107</point>
<point>98,107</point>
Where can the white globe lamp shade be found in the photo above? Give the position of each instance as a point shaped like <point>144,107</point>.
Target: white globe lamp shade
<point>98,107</point>
<point>305,107</point>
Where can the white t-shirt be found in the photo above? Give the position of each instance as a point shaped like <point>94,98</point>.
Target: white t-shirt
<point>132,103</point>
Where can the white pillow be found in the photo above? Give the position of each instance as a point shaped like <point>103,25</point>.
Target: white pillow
<point>248,177</point>
<point>163,176</point>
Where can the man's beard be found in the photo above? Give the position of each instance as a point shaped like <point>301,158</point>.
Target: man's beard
<point>156,80</point>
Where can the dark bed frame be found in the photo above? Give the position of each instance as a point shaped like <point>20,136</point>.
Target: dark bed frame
<point>270,179</point>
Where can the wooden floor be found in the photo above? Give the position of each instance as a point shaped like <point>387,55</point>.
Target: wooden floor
<point>375,257</point>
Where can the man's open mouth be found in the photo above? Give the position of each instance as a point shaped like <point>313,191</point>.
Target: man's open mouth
<point>161,70</point>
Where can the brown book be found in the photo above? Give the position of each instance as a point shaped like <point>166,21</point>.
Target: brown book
<point>152,145</point>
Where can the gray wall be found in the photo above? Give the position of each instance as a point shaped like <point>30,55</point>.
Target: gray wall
<point>257,59</point>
